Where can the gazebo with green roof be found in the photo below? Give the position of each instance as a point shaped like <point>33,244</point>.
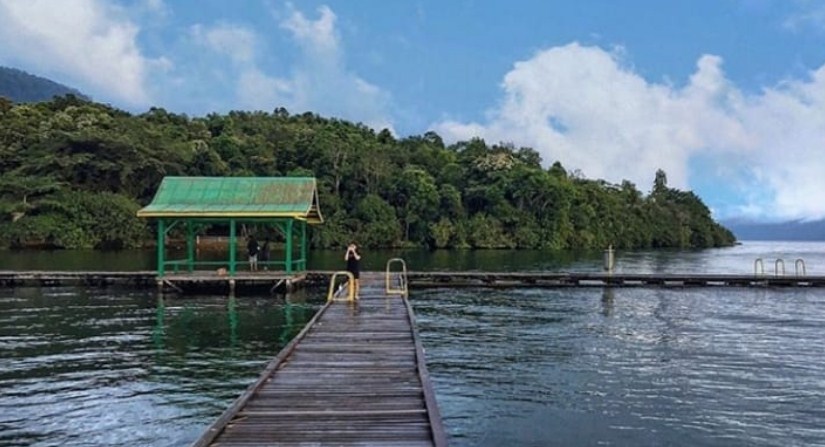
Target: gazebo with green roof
<point>286,203</point>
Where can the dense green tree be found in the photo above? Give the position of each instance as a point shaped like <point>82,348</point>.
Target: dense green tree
<point>73,172</point>
<point>377,221</point>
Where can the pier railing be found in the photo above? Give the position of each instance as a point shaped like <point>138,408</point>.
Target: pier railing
<point>178,265</point>
<point>399,285</point>
<point>779,267</point>
<point>349,286</point>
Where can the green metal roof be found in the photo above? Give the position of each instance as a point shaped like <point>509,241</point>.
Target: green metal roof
<point>295,197</point>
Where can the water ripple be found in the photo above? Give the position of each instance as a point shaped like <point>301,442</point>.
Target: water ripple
<point>81,367</point>
<point>636,367</point>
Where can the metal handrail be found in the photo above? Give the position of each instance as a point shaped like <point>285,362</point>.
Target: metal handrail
<point>761,267</point>
<point>796,265</point>
<point>350,286</point>
<point>776,267</point>
<point>402,290</point>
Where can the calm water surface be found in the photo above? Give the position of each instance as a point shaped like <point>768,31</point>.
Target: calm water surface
<point>125,368</point>
<point>636,366</point>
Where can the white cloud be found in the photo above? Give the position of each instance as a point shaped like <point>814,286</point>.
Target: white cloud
<point>91,42</point>
<point>261,91</point>
<point>235,41</point>
<point>584,107</point>
<point>807,13</point>
<point>319,36</point>
<point>319,80</point>
<point>156,6</point>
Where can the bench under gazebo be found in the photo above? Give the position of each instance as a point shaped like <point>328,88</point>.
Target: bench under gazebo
<point>192,204</point>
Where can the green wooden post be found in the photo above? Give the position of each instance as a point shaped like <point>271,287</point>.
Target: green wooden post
<point>190,246</point>
<point>161,248</point>
<point>232,249</point>
<point>289,246</point>
<point>279,223</point>
<point>304,244</point>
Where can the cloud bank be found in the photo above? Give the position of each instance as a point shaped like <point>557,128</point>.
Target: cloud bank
<point>89,41</point>
<point>318,81</point>
<point>94,45</point>
<point>586,108</point>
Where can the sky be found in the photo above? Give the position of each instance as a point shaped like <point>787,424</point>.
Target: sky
<point>726,96</point>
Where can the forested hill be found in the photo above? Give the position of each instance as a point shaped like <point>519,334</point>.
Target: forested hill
<point>19,86</point>
<point>73,173</point>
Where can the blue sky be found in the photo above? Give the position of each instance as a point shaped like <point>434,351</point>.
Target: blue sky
<point>728,96</point>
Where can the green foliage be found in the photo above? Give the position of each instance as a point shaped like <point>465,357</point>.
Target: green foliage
<point>73,173</point>
<point>487,232</point>
<point>378,226</point>
<point>80,220</point>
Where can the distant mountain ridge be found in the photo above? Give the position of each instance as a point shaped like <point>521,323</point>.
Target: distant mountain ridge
<point>21,87</point>
<point>795,230</point>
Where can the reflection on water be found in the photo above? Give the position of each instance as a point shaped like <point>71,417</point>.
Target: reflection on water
<point>608,297</point>
<point>739,259</point>
<point>81,367</point>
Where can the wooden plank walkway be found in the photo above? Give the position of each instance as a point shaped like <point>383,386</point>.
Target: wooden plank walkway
<point>354,376</point>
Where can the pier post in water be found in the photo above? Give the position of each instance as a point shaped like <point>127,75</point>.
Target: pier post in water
<point>609,260</point>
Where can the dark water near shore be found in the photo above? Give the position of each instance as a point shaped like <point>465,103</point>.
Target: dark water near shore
<point>685,367</point>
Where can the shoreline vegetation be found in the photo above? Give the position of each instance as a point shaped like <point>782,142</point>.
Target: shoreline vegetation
<point>74,172</point>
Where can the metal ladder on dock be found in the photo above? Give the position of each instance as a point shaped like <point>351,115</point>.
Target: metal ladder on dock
<point>355,375</point>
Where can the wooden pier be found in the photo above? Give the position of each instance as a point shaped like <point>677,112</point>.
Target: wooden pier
<point>42,278</point>
<point>199,281</point>
<point>260,282</point>
<point>599,279</point>
<point>355,375</point>
<point>279,282</point>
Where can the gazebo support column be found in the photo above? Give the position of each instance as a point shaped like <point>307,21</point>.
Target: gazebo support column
<point>232,247</point>
<point>289,246</point>
<point>190,246</point>
<point>161,246</point>
<point>303,245</point>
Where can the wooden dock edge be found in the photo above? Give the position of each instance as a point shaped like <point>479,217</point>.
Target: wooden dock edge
<point>436,424</point>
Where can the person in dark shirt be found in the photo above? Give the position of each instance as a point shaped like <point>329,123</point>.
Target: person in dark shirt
<point>353,265</point>
<point>252,249</point>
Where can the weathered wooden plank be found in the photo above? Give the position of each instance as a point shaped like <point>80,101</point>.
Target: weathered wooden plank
<point>371,412</point>
<point>342,443</point>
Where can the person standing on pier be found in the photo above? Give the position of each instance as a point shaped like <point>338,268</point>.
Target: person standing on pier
<point>353,266</point>
<point>252,249</point>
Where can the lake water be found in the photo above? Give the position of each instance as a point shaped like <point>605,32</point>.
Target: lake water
<point>526,367</point>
